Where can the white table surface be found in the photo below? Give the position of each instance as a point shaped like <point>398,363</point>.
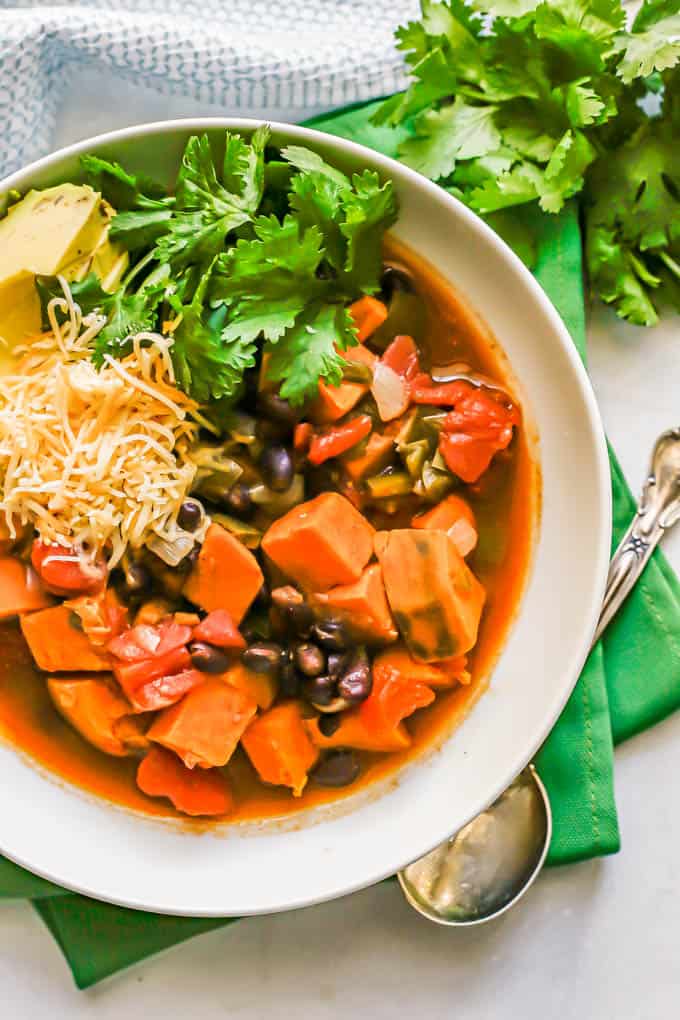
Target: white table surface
<point>591,941</point>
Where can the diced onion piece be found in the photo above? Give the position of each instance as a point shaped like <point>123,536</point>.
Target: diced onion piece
<point>390,392</point>
<point>464,536</point>
<point>172,551</point>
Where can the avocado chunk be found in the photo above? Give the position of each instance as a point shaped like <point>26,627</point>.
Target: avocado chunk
<point>49,229</point>
<point>62,230</point>
<point>19,314</point>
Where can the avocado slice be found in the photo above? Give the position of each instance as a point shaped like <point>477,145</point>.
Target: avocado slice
<point>19,314</point>
<point>63,230</point>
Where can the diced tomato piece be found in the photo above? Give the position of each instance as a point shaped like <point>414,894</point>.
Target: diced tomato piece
<point>165,690</point>
<point>218,628</point>
<point>194,792</point>
<point>394,696</point>
<point>438,394</point>
<point>480,425</point>
<point>402,357</point>
<point>334,441</point>
<point>62,572</point>
<point>146,641</point>
<point>133,675</point>
<point>302,436</point>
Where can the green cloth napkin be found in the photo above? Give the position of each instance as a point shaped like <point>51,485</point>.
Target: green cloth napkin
<point>616,695</point>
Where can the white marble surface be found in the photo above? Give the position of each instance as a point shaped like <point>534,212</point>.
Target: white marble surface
<point>590,942</point>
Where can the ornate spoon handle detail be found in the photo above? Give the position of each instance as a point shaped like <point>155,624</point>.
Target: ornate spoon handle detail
<point>659,508</point>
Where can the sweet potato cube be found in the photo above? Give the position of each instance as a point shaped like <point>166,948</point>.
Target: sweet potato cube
<point>362,605</point>
<point>206,725</point>
<point>368,314</point>
<point>279,747</point>
<point>59,647</point>
<point>92,706</point>
<point>261,687</point>
<point>370,459</point>
<point>321,543</point>
<point>20,588</point>
<point>353,732</point>
<point>435,598</point>
<point>453,515</point>
<point>226,575</point>
<point>192,791</point>
<point>334,402</point>
<point>399,658</point>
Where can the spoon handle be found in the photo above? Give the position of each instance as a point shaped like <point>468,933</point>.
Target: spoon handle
<point>658,509</point>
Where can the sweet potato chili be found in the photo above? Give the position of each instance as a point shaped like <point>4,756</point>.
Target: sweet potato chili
<point>319,581</point>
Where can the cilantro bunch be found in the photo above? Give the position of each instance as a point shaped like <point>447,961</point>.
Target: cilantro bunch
<point>520,101</point>
<point>259,254</point>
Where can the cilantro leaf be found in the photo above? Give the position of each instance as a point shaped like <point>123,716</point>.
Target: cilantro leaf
<point>615,275</point>
<point>137,229</point>
<point>459,131</point>
<point>128,314</point>
<point>121,188</point>
<point>208,209</point>
<point>563,176</point>
<point>633,223</point>
<point>311,162</point>
<point>267,282</point>
<point>351,216</point>
<point>310,351</point>
<point>86,293</point>
<point>207,366</point>
<point>515,187</point>
<point>316,201</point>
<point>369,209</point>
<point>654,42</point>
<point>143,209</point>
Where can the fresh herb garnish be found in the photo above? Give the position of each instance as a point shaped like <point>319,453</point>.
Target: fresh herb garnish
<point>262,251</point>
<point>520,101</point>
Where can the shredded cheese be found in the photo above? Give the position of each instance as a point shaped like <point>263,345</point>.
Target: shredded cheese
<point>98,460</point>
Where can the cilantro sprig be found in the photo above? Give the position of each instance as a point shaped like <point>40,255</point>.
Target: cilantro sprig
<point>260,250</point>
<point>537,101</point>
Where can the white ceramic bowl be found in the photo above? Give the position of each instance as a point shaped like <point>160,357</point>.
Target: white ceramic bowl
<point>109,853</point>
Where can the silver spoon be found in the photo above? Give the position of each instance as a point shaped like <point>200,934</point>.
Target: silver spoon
<point>483,870</point>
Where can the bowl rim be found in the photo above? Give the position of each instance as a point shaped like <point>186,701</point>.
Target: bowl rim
<point>386,165</point>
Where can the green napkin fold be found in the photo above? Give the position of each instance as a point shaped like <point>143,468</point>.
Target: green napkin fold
<point>616,695</point>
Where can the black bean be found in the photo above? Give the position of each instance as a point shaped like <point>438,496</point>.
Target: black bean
<point>262,599</point>
<point>356,681</point>
<point>289,680</point>
<point>263,657</point>
<point>337,768</point>
<point>336,663</point>
<point>320,690</point>
<point>393,279</point>
<point>300,619</point>
<point>137,579</point>
<point>331,634</point>
<point>298,616</point>
<point>309,659</point>
<point>190,515</point>
<point>207,658</point>
<point>238,500</point>
<point>328,724</point>
<point>277,468</point>
<point>278,409</point>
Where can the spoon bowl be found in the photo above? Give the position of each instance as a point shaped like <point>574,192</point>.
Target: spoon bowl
<point>482,870</point>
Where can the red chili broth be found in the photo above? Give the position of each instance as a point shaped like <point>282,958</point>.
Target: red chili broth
<point>505,503</point>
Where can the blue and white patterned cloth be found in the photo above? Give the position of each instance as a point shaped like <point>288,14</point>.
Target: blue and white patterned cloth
<point>104,57</point>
